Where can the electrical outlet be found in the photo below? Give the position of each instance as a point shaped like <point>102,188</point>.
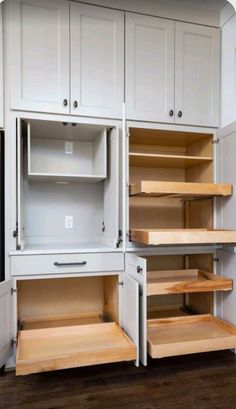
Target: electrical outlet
<point>69,146</point>
<point>69,222</point>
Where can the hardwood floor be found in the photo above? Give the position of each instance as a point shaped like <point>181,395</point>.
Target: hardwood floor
<point>203,381</point>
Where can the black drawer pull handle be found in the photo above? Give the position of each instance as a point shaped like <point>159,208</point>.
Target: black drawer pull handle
<point>82,263</point>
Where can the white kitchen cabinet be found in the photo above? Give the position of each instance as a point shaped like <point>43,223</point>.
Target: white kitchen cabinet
<point>39,65</point>
<point>149,68</point>
<point>69,322</point>
<point>197,75</point>
<point>97,61</point>
<point>172,71</point>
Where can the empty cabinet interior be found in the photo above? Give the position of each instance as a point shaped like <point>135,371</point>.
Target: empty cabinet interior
<point>69,322</point>
<point>171,179</point>
<point>68,186</point>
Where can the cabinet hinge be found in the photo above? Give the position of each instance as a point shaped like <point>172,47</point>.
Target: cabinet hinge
<point>103,227</point>
<point>121,283</point>
<point>120,238</point>
<point>13,342</point>
<point>217,140</point>
<point>129,235</point>
<point>140,292</point>
<point>139,270</point>
<point>15,232</point>
<point>216,259</point>
<point>13,291</point>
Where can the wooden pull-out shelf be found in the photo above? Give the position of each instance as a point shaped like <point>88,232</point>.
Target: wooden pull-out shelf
<point>188,335</point>
<point>152,160</point>
<point>179,189</point>
<point>185,281</point>
<point>50,349</point>
<point>182,236</point>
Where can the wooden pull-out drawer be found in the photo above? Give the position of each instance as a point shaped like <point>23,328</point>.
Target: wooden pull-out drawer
<point>188,335</point>
<point>182,236</point>
<point>69,347</point>
<point>186,281</point>
<point>66,263</point>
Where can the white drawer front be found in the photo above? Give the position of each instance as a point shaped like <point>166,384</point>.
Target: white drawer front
<point>66,263</point>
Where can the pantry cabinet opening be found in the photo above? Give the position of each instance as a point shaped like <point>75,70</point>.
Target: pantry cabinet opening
<point>68,185</point>
<point>70,322</point>
<point>171,179</point>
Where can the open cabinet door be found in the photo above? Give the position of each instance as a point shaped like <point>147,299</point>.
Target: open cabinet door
<point>6,321</point>
<point>111,191</point>
<point>19,186</point>
<point>130,310</point>
<point>136,267</point>
<point>226,166</point>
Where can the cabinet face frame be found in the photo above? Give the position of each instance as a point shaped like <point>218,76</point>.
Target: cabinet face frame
<point>8,305</point>
<point>18,101</point>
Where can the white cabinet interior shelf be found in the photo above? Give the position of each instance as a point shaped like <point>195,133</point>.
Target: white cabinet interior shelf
<point>66,153</point>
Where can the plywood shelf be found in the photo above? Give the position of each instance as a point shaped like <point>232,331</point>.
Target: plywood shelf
<point>61,321</point>
<point>182,236</point>
<point>50,349</point>
<point>179,189</point>
<point>190,334</point>
<point>185,281</point>
<point>166,161</point>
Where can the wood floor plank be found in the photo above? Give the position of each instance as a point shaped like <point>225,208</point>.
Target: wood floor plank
<point>201,381</point>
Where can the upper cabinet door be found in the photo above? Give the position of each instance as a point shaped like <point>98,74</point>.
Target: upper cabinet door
<point>197,75</point>
<point>39,31</point>
<point>149,68</point>
<point>97,61</point>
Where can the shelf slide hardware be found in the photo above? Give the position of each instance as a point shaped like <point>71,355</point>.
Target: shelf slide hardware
<point>82,263</point>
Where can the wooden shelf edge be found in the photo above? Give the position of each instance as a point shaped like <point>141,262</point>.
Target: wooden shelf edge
<point>179,189</point>
<point>187,281</point>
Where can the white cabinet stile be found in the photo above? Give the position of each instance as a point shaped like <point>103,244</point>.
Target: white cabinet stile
<point>149,68</point>
<point>39,69</point>
<point>97,61</point>
<point>6,319</point>
<point>197,75</point>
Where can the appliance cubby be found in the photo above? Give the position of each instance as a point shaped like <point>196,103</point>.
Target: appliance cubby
<point>67,186</point>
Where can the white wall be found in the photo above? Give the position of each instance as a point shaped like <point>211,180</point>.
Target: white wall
<point>228,72</point>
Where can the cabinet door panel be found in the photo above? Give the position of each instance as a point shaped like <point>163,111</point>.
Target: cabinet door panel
<point>136,267</point>
<point>6,319</point>
<point>97,61</point>
<point>197,75</point>
<point>149,68</point>
<point>40,55</point>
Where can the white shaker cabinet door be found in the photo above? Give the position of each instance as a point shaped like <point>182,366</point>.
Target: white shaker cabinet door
<point>149,68</point>
<point>39,40</point>
<point>97,61</point>
<point>197,75</point>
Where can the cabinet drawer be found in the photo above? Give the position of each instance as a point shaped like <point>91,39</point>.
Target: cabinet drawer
<point>66,263</point>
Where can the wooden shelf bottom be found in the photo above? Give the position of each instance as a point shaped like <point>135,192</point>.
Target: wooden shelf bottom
<point>188,335</point>
<point>52,349</point>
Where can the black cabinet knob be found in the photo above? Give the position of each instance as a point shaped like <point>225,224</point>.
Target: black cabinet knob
<point>75,104</point>
<point>180,113</point>
<point>171,112</point>
<point>65,102</point>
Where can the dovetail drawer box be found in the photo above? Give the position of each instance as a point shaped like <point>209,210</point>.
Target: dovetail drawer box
<point>66,263</point>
